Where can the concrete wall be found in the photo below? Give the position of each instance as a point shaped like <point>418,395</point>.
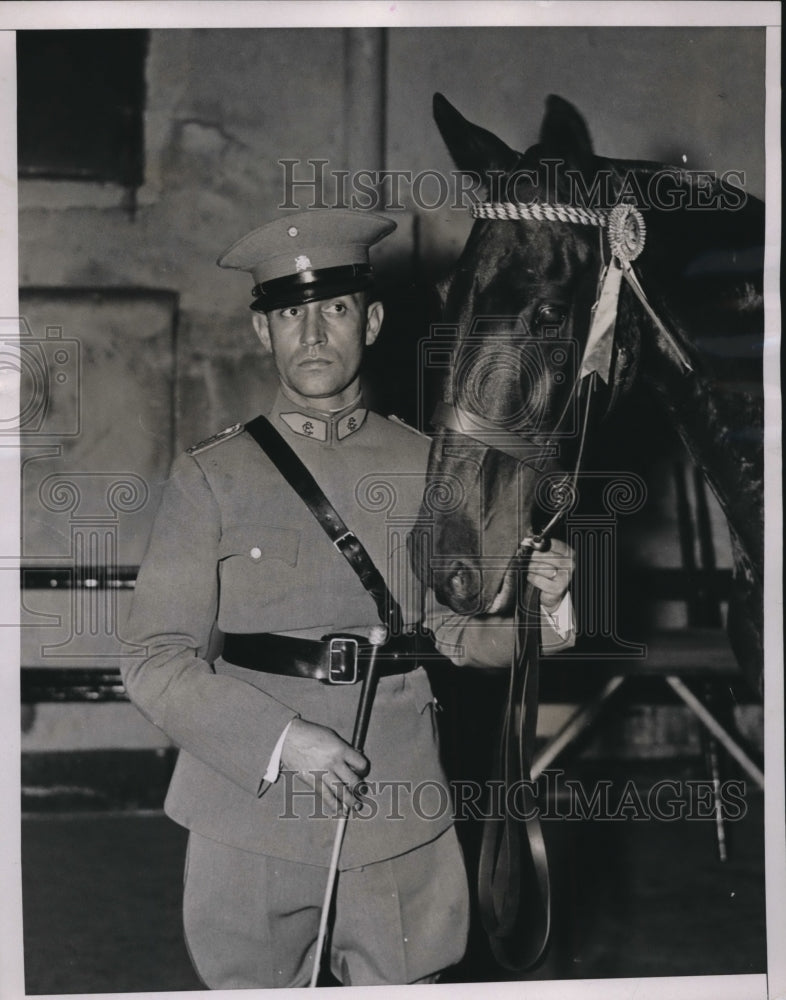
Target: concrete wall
<point>691,97</point>
<point>224,107</point>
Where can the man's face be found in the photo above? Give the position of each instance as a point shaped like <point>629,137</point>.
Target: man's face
<point>318,346</point>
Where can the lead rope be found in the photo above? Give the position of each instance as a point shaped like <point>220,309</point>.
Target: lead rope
<point>507,874</point>
<point>537,540</point>
<point>513,865</point>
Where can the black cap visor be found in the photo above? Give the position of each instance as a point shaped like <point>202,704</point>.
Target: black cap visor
<point>311,286</point>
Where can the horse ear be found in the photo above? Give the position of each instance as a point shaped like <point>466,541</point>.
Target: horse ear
<point>473,148</point>
<point>564,133</point>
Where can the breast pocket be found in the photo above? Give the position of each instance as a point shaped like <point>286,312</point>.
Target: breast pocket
<point>255,544</point>
<point>258,570</point>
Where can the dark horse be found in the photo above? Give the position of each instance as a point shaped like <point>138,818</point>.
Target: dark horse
<point>685,287</point>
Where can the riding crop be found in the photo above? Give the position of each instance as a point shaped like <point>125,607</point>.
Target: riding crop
<point>377,637</point>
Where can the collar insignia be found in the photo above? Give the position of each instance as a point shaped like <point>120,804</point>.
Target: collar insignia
<point>327,430</point>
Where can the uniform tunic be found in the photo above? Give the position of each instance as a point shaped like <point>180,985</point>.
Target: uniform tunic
<point>234,549</point>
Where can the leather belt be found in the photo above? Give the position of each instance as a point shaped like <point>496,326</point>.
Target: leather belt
<point>335,659</point>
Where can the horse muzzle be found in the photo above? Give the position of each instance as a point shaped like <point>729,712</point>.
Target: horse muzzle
<point>465,589</point>
<point>459,586</point>
<point>462,586</point>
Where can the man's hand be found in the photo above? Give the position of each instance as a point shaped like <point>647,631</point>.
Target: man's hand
<point>326,762</point>
<point>551,573</point>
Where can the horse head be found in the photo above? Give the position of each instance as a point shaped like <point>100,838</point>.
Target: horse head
<point>519,299</point>
<point>562,237</point>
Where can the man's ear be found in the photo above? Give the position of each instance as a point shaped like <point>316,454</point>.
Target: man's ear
<point>374,316</point>
<point>262,330</point>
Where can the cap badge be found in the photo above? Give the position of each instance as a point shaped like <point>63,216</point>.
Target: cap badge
<point>302,263</point>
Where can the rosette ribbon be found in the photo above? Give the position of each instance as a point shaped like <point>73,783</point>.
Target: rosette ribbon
<point>627,235</point>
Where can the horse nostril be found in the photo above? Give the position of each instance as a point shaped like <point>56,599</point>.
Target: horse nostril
<point>464,582</point>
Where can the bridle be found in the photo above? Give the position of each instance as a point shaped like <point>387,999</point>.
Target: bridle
<point>626,233</point>
<point>513,867</point>
<point>626,236</point>
<point>522,448</point>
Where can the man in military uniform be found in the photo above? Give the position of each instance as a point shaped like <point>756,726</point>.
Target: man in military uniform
<point>236,603</point>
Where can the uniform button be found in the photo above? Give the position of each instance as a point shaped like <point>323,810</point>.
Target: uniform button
<point>292,231</point>
<point>256,553</point>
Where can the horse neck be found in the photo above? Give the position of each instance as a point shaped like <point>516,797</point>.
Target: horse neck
<point>718,408</point>
<point>723,437</point>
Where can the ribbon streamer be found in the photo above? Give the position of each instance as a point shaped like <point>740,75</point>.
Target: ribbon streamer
<point>597,353</point>
<point>671,344</point>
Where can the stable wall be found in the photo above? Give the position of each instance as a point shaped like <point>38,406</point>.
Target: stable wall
<point>224,107</point>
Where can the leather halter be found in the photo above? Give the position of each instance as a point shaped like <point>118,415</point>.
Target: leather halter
<point>485,432</point>
<point>470,425</point>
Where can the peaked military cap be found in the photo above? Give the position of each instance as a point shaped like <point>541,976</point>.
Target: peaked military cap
<point>308,256</point>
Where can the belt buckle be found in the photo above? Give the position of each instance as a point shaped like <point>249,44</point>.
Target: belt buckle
<point>339,647</point>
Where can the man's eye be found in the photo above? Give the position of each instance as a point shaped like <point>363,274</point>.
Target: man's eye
<point>290,312</point>
<point>339,307</point>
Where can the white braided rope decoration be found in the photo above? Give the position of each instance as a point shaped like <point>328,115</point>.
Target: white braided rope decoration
<point>624,224</point>
<point>626,231</point>
<point>539,212</point>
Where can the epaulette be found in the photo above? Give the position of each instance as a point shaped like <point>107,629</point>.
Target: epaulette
<point>409,427</point>
<point>225,435</point>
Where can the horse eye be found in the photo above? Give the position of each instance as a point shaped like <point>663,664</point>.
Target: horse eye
<point>550,315</point>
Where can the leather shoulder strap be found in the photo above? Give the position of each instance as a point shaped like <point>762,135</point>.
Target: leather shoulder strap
<point>348,544</point>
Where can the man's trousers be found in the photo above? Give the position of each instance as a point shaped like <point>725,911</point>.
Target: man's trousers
<point>252,920</point>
